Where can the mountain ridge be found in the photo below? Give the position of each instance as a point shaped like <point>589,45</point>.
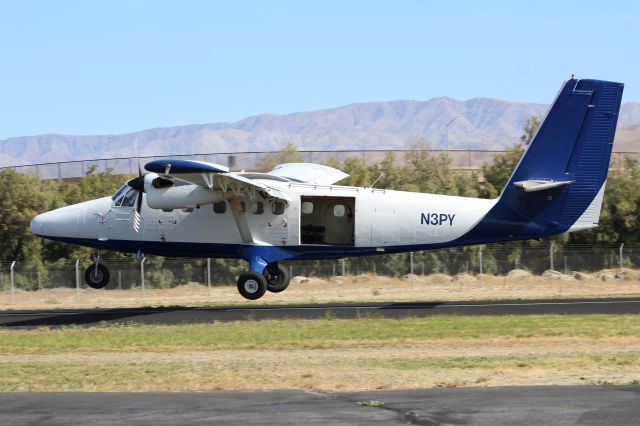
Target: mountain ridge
<point>478,123</point>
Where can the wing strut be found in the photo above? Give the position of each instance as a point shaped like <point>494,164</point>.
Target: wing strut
<point>241,220</point>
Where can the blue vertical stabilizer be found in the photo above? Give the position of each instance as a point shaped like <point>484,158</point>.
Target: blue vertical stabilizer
<point>559,183</point>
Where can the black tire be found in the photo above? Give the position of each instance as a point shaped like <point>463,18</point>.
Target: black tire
<point>277,282</point>
<point>252,285</point>
<point>97,279</point>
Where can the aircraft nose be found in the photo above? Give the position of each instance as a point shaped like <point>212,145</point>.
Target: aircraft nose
<point>37,224</point>
<point>62,221</point>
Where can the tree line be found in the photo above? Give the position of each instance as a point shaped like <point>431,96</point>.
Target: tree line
<point>24,196</point>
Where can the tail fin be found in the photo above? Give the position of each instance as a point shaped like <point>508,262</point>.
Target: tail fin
<point>558,185</point>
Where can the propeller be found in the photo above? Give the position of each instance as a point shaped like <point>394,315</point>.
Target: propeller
<point>137,184</point>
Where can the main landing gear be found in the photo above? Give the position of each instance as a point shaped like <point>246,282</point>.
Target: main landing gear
<point>253,285</point>
<point>97,275</point>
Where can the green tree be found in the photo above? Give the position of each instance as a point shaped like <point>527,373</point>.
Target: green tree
<point>619,215</point>
<point>360,173</point>
<point>530,128</point>
<point>497,173</point>
<point>288,153</point>
<point>23,197</point>
<point>92,185</point>
<point>432,173</point>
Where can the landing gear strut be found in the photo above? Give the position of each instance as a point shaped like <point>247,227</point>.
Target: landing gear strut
<point>97,275</point>
<point>253,285</point>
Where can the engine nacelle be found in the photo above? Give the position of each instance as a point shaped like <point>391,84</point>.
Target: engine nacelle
<point>161,195</point>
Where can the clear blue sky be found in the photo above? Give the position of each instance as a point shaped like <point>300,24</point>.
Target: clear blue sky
<point>95,67</point>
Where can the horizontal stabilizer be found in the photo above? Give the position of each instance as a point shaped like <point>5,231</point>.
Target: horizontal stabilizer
<point>534,185</point>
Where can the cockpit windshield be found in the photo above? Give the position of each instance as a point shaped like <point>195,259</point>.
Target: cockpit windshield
<point>125,196</point>
<point>120,191</point>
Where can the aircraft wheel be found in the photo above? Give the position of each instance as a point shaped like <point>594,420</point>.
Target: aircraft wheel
<point>252,285</point>
<point>97,279</point>
<point>277,282</point>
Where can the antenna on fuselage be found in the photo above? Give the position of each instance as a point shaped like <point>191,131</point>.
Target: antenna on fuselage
<point>376,181</point>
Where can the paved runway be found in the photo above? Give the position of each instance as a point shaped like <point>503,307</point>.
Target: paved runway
<point>544,405</point>
<point>178,315</point>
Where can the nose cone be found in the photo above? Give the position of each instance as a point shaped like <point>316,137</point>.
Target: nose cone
<point>37,224</point>
<point>59,222</point>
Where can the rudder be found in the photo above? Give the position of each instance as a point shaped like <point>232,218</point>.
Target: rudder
<point>558,185</point>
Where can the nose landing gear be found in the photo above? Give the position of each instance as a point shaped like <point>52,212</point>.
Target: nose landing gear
<point>97,275</point>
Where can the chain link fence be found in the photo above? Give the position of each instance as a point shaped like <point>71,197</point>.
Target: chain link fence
<point>158,272</point>
<point>460,159</point>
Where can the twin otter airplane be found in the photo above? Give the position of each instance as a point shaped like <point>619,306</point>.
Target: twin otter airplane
<point>295,211</point>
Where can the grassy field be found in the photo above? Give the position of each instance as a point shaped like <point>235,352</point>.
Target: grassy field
<point>327,354</point>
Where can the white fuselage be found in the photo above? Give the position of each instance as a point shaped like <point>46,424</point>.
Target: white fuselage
<point>369,218</point>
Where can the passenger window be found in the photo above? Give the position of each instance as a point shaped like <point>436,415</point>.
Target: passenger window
<point>257,207</point>
<point>119,201</point>
<point>129,198</point>
<point>220,207</point>
<point>277,208</point>
<point>307,207</point>
<point>339,210</point>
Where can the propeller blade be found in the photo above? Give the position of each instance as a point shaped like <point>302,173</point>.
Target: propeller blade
<point>135,151</point>
<point>137,218</point>
<point>137,183</point>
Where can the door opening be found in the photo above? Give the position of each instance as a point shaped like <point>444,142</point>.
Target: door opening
<point>327,220</point>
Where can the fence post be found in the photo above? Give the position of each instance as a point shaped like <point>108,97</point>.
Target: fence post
<point>13,289</point>
<point>411,263</point>
<point>142,274</point>
<point>209,276</point>
<point>551,256</point>
<point>77,280</point>
<point>344,272</point>
<point>480,260</point>
<point>621,263</point>
<point>119,279</point>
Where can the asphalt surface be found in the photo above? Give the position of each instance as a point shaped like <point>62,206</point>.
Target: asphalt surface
<point>180,315</point>
<point>544,405</point>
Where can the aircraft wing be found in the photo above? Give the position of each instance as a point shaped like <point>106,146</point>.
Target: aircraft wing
<point>309,173</point>
<point>213,176</point>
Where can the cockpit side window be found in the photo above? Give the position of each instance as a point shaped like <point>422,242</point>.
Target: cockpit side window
<point>129,198</point>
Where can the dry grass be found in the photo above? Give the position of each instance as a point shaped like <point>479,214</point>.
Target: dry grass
<point>370,353</point>
<point>326,354</point>
<point>518,285</point>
